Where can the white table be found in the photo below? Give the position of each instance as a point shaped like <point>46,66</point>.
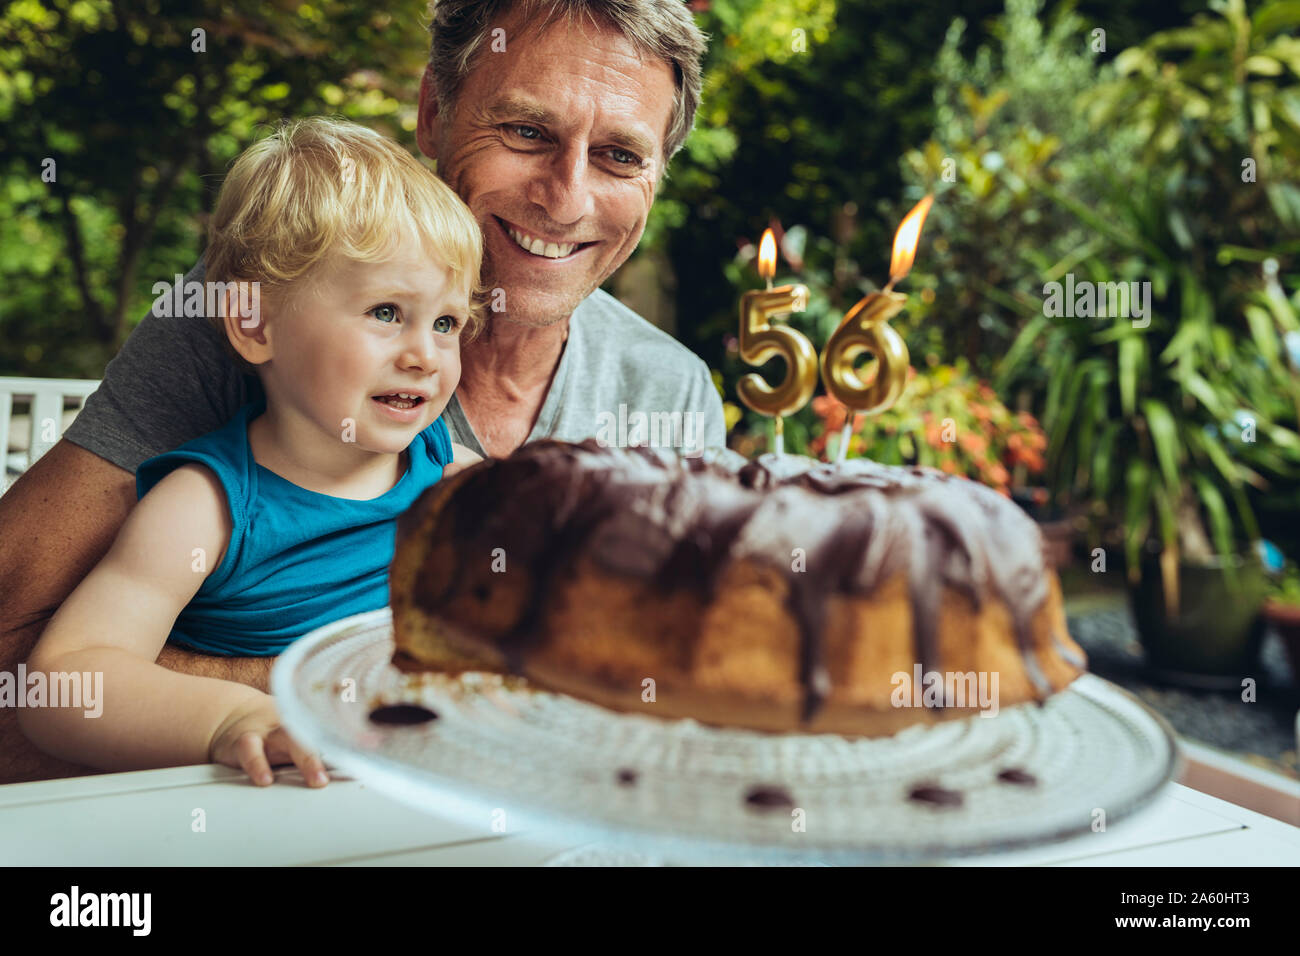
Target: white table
<point>148,818</point>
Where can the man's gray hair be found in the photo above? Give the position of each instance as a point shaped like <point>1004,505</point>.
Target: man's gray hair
<point>661,28</point>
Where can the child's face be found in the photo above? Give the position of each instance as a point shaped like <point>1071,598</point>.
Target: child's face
<point>358,330</point>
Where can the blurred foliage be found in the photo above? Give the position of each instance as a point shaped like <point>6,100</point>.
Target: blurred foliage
<point>1189,423</point>
<point>1008,118</point>
<point>141,117</point>
<point>946,419</point>
<point>988,96</point>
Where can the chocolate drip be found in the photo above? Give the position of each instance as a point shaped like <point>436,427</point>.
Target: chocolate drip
<point>1019,777</point>
<point>936,795</point>
<point>678,522</point>
<point>769,798</point>
<point>402,714</point>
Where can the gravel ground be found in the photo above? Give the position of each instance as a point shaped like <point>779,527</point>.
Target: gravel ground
<point>1262,732</point>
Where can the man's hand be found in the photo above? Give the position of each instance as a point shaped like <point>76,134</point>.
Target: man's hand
<point>253,671</point>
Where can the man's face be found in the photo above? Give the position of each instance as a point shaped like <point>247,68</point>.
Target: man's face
<point>559,138</point>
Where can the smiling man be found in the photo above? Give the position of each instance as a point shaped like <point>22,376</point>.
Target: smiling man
<point>554,121</point>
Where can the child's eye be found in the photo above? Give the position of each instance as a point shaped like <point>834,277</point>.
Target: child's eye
<point>446,324</point>
<point>386,313</point>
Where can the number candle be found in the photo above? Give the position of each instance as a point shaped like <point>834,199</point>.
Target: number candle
<point>865,328</point>
<point>761,340</point>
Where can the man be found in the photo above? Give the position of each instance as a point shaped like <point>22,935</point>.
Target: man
<point>554,121</point>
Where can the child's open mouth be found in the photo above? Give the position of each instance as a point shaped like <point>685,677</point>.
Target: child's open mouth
<point>396,401</point>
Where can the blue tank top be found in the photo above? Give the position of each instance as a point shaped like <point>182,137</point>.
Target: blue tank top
<point>297,559</point>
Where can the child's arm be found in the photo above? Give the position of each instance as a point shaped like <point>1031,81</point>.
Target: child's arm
<point>114,623</point>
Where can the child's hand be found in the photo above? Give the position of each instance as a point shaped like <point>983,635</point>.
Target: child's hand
<point>251,739</point>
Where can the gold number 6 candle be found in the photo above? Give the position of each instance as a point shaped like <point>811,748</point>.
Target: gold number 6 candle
<point>761,340</point>
<point>865,328</point>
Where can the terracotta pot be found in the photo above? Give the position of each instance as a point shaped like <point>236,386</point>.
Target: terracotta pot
<point>1285,619</point>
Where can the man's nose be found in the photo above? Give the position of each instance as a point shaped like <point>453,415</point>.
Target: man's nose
<point>563,191</point>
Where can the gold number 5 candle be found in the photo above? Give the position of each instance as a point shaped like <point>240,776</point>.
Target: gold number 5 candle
<point>761,340</point>
<point>865,328</point>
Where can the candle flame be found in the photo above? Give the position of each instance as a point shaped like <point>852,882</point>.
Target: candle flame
<point>906,239</point>
<point>767,255</point>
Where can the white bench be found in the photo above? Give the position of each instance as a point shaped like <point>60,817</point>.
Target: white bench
<point>49,406</point>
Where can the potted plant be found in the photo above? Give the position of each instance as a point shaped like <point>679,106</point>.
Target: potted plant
<point>1282,613</point>
<point>1173,419</point>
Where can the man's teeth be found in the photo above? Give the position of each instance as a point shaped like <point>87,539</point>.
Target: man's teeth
<point>550,250</point>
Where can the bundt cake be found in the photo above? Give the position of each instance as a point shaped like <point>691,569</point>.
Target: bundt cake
<point>782,594</point>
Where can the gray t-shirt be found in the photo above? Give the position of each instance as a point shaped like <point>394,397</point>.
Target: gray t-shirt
<point>620,380</point>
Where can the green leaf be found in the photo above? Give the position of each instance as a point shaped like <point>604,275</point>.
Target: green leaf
<point>1220,524</point>
<point>1217,510</point>
<point>1137,507</point>
<point>1164,435</point>
<point>1274,18</point>
<point>1214,451</point>
<point>1165,512</point>
<point>1130,355</point>
<point>1188,337</point>
<point>1102,460</point>
<point>1262,331</point>
<point>1011,362</point>
<point>1204,392</point>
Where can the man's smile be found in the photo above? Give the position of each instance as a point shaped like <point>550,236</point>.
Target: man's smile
<point>540,247</point>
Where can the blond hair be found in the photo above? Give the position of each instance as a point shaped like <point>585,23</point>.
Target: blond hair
<point>660,28</point>
<point>320,186</point>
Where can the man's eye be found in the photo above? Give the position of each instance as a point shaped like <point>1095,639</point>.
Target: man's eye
<point>515,129</point>
<point>385,313</point>
<point>446,324</point>
<point>632,159</point>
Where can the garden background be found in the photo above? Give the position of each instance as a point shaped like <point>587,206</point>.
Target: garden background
<point>1111,141</point>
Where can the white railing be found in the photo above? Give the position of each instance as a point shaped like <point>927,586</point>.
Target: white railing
<point>51,403</point>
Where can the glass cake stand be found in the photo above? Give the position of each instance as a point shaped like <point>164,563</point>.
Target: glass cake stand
<point>507,757</point>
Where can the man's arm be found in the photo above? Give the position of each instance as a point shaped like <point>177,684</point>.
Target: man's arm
<point>56,522</point>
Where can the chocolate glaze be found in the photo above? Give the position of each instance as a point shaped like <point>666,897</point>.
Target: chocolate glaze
<point>768,798</point>
<point>936,795</point>
<point>678,522</point>
<point>402,714</point>
<point>1017,776</point>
